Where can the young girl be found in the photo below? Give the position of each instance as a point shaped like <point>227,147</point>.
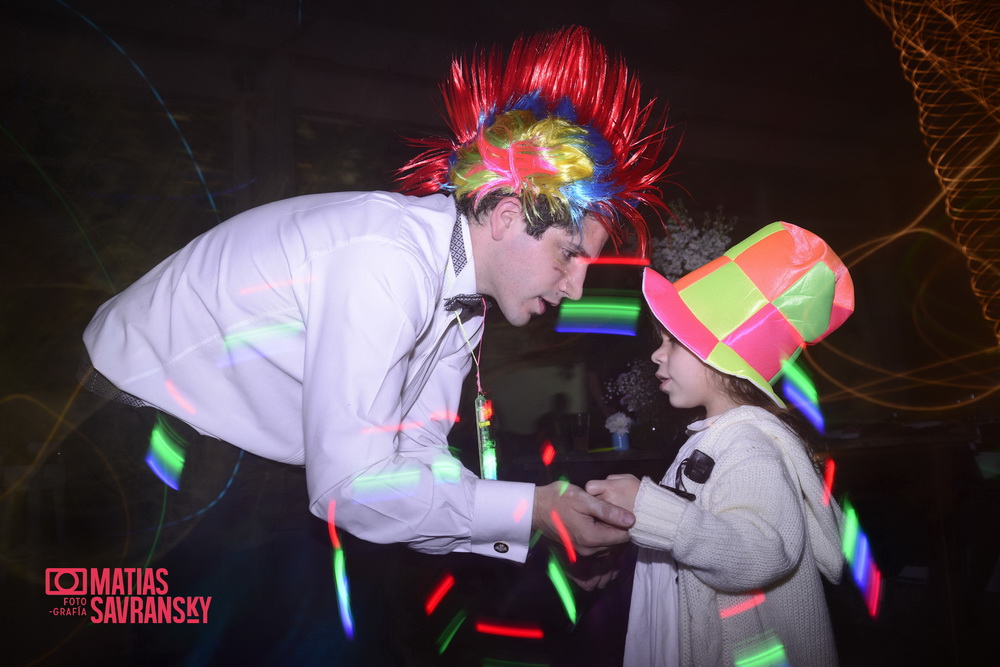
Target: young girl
<point>734,538</point>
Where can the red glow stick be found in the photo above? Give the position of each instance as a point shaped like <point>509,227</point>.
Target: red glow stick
<point>509,630</point>
<point>564,536</point>
<point>742,606</point>
<point>438,593</point>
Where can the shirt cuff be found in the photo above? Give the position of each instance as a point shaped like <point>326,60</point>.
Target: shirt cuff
<point>657,515</point>
<point>501,519</point>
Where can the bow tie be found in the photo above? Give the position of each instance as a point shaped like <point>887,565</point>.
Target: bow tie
<point>467,305</point>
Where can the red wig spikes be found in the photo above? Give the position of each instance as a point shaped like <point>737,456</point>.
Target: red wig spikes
<point>565,65</point>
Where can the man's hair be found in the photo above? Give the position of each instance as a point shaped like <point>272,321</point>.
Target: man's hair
<point>555,122</point>
<point>536,219</point>
<point>531,159</point>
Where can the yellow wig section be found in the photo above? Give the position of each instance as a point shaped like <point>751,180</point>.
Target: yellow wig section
<point>525,157</point>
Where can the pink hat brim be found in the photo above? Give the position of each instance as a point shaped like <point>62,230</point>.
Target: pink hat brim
<point>673,313</point>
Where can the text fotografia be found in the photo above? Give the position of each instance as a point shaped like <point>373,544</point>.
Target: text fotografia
<point>122,595</point>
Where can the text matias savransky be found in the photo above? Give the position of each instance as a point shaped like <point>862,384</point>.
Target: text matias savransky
<point>123,595</point>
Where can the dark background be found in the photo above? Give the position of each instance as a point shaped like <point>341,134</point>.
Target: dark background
<point>129,128</point>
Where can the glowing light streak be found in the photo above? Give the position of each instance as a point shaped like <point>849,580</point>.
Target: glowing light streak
<point>561,583</point>
<point>535,536</point>
<point>229,483</point>
<point>947,54</point>
<point>793,373</point>
<point>65,205</point>
<point>331,524</point>
<point>446,469</point>
<point>507,630</point>
<point>828,472</point>
<point>907,378</point>
<point>265,287</point>
<point>808,409</point>
<point>765,651</point>
<point>177,396</point>
<point>564,536</point>
<point>166,453</point>
<point>445,416</point>
<point>521,509</point>
<point>988,464</point>
<point>340,574</point>
<point>548,452</point>
<point>385,485</point>
<point>610,314</point>
<point>449,632</point>
<point>258,343</point>
<point>391,428</point>
<point>859,561</point>
<point>863,568</point>
<point>739,608</point>
<point>159,99</point>
<point>622,261</point>
<point>801,392</point>
<point>343,593</point>
<point>972,384</point>
<point>261,335</point>
<point>874,592</point>
<point>434,599</point>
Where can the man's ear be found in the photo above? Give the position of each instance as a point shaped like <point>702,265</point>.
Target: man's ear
<point>505,217</point>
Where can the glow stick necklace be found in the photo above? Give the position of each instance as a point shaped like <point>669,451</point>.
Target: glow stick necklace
<point>484,410</point>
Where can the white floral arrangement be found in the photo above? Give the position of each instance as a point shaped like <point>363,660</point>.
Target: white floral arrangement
<point>636,387</point>
<point>689,245</point>
<point>618,423</point>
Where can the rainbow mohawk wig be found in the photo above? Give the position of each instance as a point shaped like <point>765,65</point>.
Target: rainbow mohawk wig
<point>560,126</point>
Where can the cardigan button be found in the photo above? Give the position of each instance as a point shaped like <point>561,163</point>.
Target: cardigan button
<point>501,547</point>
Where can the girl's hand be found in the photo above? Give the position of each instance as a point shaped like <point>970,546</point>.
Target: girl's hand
<point>616,489</point>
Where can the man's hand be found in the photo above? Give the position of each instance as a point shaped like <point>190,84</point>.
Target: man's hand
<point>618,489</point>
<point>596,571</point>
<point>592,525</point>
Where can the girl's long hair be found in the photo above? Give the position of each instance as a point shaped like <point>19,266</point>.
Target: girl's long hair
<point>743,392</point>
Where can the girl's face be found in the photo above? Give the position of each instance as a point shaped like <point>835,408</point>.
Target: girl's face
<point>687,380</point>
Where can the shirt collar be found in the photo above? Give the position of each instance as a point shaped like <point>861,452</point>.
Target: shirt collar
<point>701,424</point>
<point>460,282</point>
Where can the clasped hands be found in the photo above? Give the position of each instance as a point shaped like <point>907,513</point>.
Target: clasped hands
<point>593,521</point>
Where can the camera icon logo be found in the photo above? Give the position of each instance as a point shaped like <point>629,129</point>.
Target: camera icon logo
<point>65,581</point>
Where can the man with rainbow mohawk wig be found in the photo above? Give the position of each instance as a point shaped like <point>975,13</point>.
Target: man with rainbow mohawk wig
<point>333,332</point>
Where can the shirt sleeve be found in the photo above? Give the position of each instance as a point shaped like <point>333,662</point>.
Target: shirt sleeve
<point>383,469</point>
<point>744,531</point>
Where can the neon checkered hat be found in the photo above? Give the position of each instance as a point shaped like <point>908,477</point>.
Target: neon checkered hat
<point>755,308</point>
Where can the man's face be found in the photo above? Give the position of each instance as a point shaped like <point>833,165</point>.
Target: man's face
<point>534,274</point>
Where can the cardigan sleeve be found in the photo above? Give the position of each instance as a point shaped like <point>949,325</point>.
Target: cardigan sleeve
<point>744,530</point>
<point>657,516</point>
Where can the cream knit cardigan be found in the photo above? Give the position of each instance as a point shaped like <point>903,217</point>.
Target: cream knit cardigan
<point>757,526</point>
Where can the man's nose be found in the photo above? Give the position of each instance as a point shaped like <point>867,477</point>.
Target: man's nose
<point>572,282</point>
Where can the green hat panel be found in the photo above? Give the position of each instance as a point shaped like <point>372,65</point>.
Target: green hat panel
<point>723,299</point>
<point>808,303</point>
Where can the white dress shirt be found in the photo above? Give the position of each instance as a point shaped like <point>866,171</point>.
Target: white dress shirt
<point>313,331</point>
